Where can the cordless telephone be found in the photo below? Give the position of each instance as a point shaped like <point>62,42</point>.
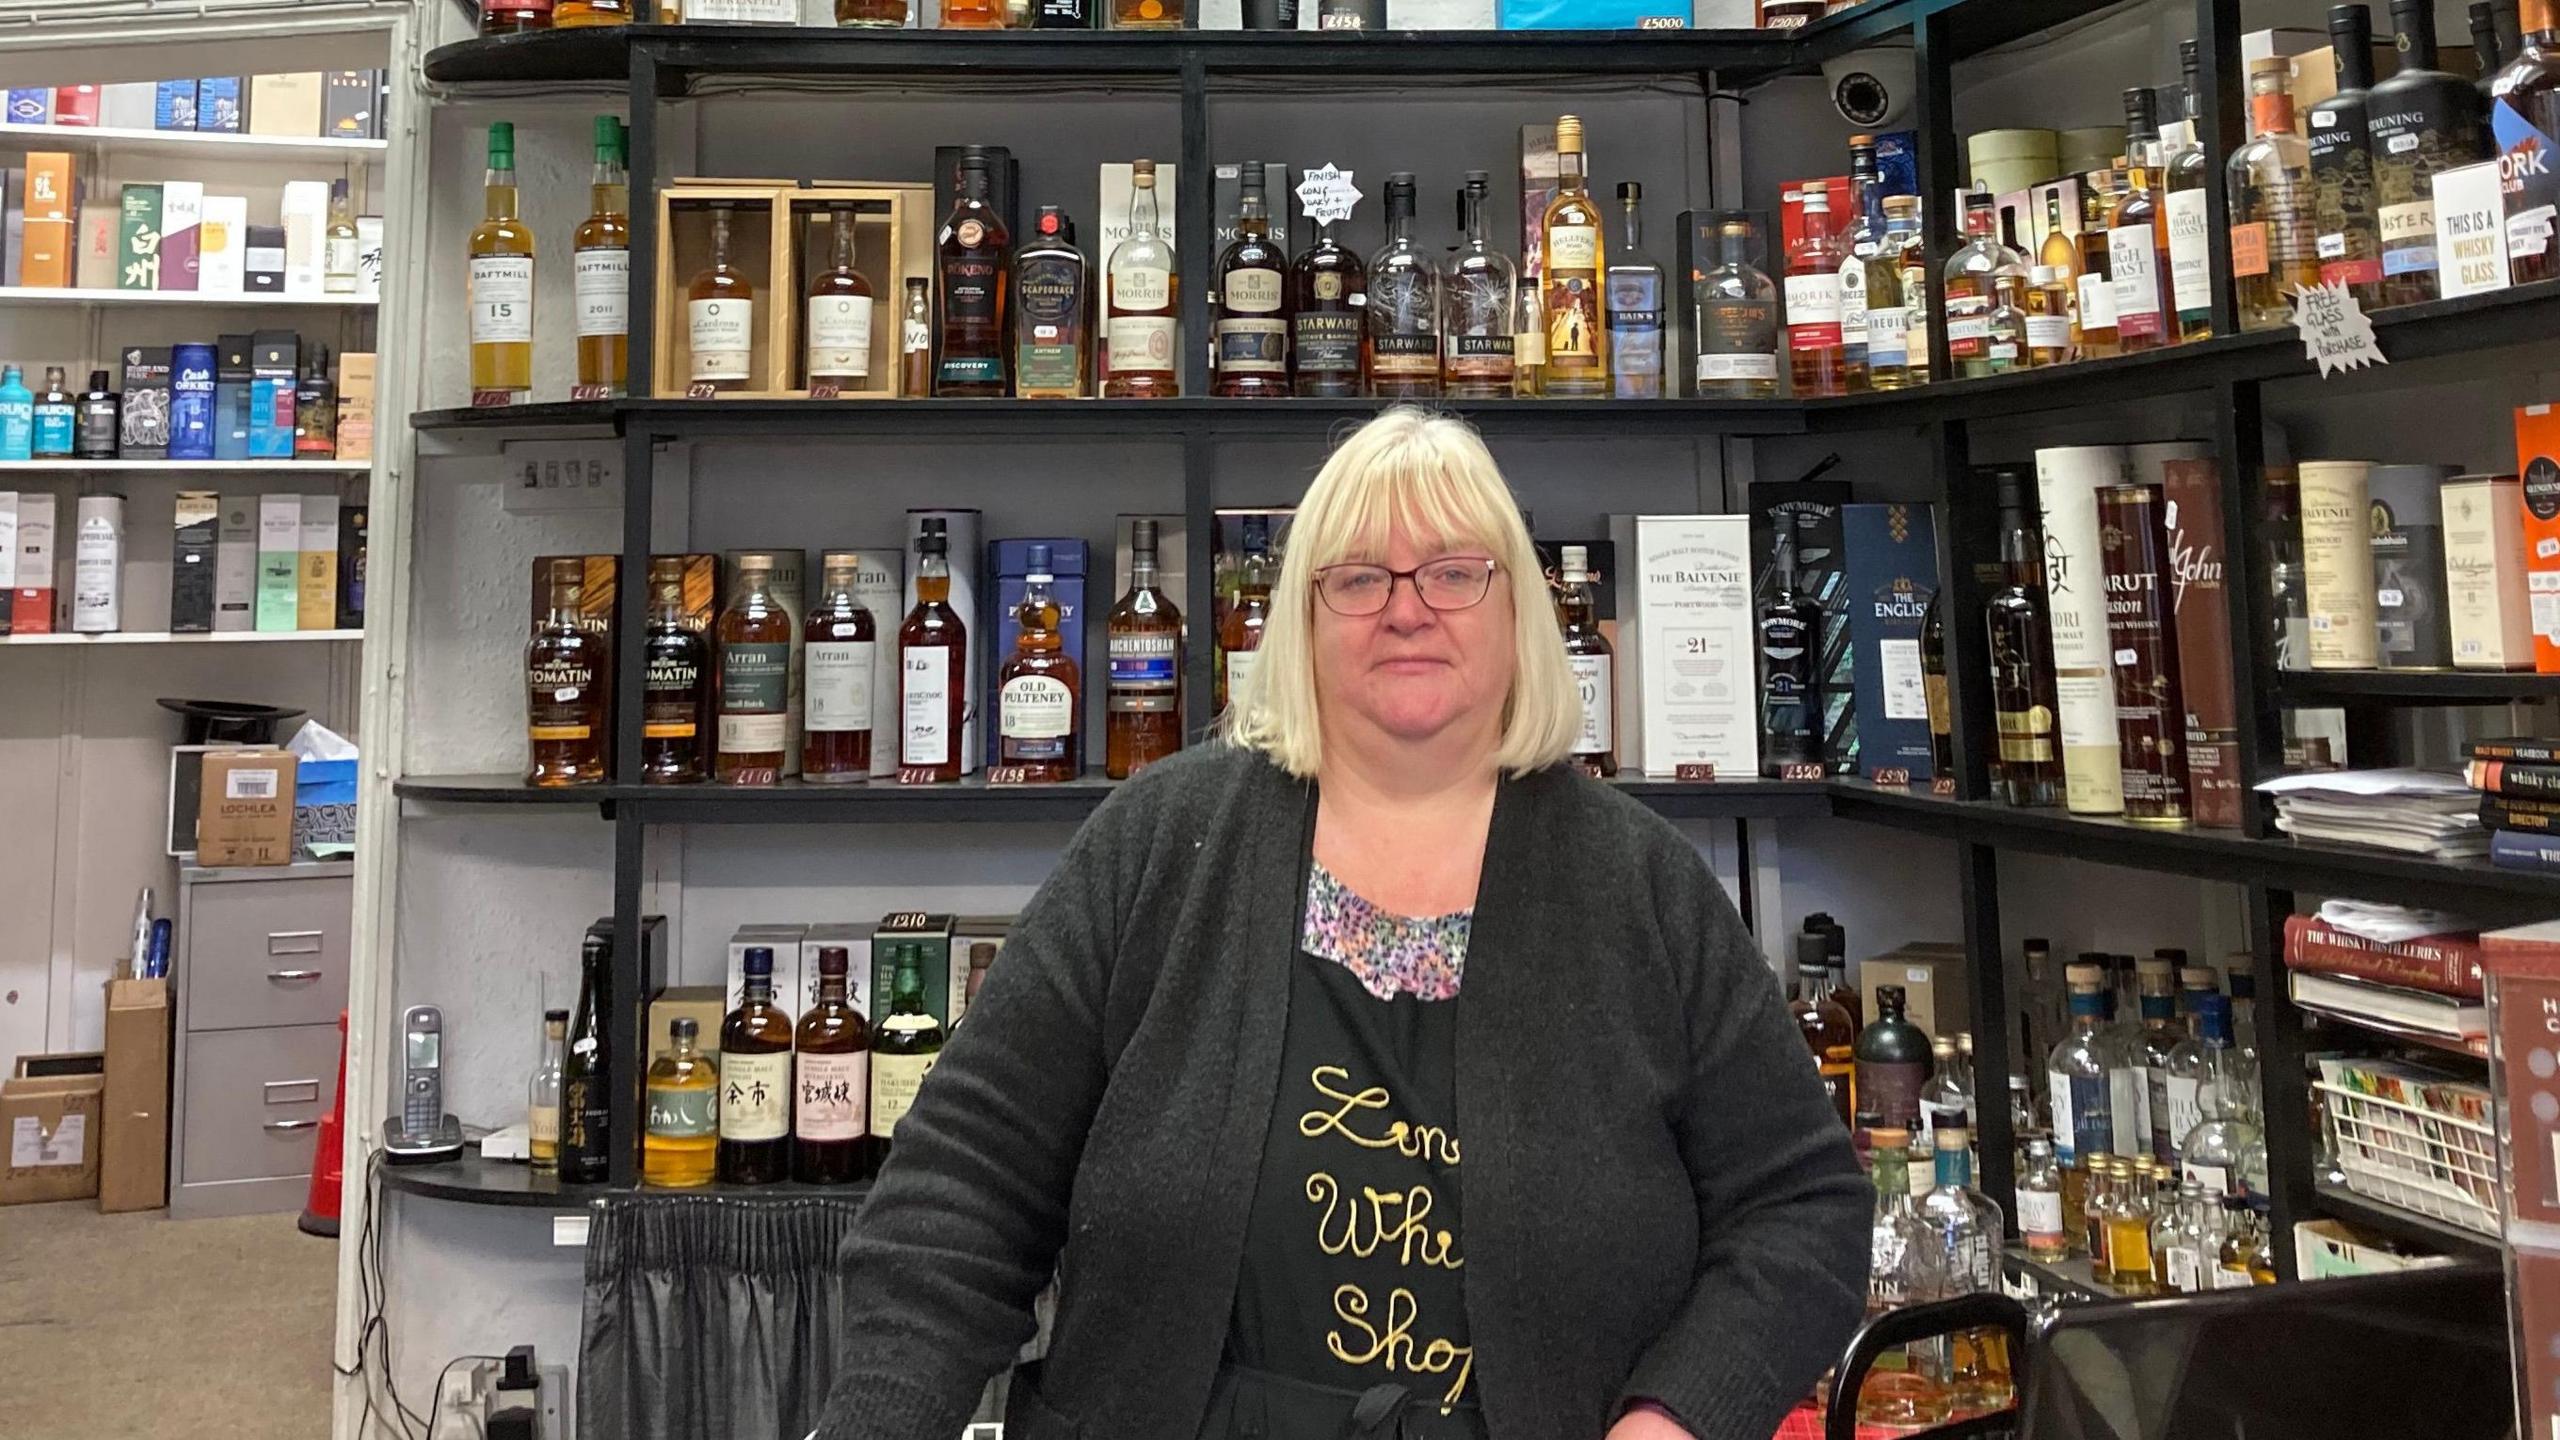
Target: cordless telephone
<point>422,1131</point>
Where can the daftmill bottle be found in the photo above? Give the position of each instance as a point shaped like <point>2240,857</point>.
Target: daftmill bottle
<point>499,284</point>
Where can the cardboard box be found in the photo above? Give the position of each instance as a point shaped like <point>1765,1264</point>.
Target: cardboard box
<point>246,814</point>
<point>50,1112</point>
<point>133,1171</point>
<point>31,602</point>
<point>2538,461</point>
<point>352,525</point>
<point>174,105</point>
<point>279,605</point>
<point>76,105</point>
<point>132,105</point>
<point>218,106</point>
<point>30,107</point>
<point>856,941</point>
<point>1892,580</point>
<point>1932,981</point>
<point>96,238</point>
<point>355,406</point>
<point>316,568</point>
<point>346,104</point>
<point>2487,604</point>
<point>286,104</point>
<point>702,1004</point>
<point>181,234</point>
<point>46,241</point>
<point>235,564</point>
<point>138,245</point>
<point>262,260</point>
<point>13,223</point>
<point>932,935</point>
<point>142,426</point>
<point>1813,508</point>
<point>305,216</point>
<point>976,940</point>
<point>1688,680</point>
<point>197,523</point>
<point>222,245</point>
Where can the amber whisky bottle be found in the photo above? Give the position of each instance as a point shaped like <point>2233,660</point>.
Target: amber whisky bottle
<point>678,685</point>
<point>1145,646</point>
<point>1039,694</point>
<point>832,1066</point>
<point>755,679</point>
<point>565,686</point>
<point>755,1082</point>
<point>933,668</point>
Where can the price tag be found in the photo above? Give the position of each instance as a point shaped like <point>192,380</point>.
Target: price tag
<point>1327,195</point>
<point>919,775</point>
<point>1944,787</point>
<point>1697,770</point>
<point>1892,775</point>
<point>1009,775</point>
<point>1802,771</point>
<point>491,399</point>
<point>1589,768</point>
<point>826,389</point>
<point>2336,333</point>
<point>590,392</point>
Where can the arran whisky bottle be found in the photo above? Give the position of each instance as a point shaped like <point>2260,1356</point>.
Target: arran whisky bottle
<point>2343,223</point>
<point>836,653</point>
<point>2421,121</point>
<point>755,1082</point>
<point>974,270</point>
<point>1593,661</point>
<point>1326,323</point>
<point>755,679</point>
<point>1145,640</point>
<point>1039,695</point>
<point>2026,765</point>
<point>933,668</point>
<point>565,687</point>
<point>831,1070</point>
<point>2151,710</point>
<point>1790,643</point>
<point>679,681</point>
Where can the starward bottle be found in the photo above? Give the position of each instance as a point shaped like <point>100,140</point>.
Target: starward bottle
<point>1403,341</point>
<point>1327,323</point>
<point>1476,350</point>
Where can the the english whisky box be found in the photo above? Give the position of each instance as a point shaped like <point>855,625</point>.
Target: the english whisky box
<point>31,598</point>
<point>2408,566</point>
<point>316,570</point>
<point>138,243</point>
<point>2538,462</point>
<point>1811,508</point>
<point>142,427</point>
<point>181,234</point>
<point>2337,563</point>
<point>192,556</point>
<point>2199,583</point>
<point>1688,681</point>
<point>931,935</point>
<point>787,942</point>
<point>966,529</point>
<point>1892,578</point>
<point>352,524</point>
<point>2488,604</point>
<point>235,563</point>
<point>279,563</point>
<point>855,941</point>
<point>1008,563</point>
<point>287,104</point>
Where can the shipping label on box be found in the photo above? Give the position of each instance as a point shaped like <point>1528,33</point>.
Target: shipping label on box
<point>246,814</point>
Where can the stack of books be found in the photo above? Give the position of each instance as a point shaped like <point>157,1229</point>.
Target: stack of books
<point>2519,785</point>
<point>2404,972</point>
<point>2413,811</point>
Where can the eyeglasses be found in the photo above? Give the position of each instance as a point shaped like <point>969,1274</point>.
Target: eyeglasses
<point>1454,582</point>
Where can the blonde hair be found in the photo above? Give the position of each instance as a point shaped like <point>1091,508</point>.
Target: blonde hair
<point>1431,476</point>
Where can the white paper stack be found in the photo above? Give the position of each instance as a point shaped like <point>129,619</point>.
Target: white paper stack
<point>2415,812</point>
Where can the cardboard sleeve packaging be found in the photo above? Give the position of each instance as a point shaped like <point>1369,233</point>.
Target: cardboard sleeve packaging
<point>246,816</point>
<point>134,1154</point>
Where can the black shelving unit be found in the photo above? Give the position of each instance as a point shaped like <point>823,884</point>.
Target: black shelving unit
<point>511,1184</point>
<point>2228,373</point>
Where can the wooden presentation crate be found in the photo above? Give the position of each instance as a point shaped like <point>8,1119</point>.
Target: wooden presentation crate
<point>758,233</point>
<point>879,256</point>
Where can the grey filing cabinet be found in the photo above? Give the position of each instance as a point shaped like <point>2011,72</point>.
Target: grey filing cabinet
<point>262,975</point>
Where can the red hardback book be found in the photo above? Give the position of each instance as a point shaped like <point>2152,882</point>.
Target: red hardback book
<point>2440,964</point>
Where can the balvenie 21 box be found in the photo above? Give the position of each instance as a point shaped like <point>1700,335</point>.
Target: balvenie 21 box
<point>1688,686</point>
<point>1892,579</point>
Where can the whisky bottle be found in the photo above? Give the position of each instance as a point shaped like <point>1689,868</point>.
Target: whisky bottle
<point>578,14</point>
<point>500,281</point>
<point>586,1075</point>
<point>2184,204</point>
<point>2273,252</point>
<point>1147,14</point>
<point>340,248</point>
<point>1789,636</point>
<point>566,692</point>
<point>1039,694</point>
<point>671,751</point>
<point>2421,121</point>
<point>837,339</point>
<point>1815,363</point>
<point>514,17</point>
<point>54,418</point>
<point>680,1139</point>
<point>720,316</point>
<point>2060,253</point>
<point>1250,324</point>
<point>1403,343</point>
<point>904,1046</point>
<point>603,264</point>
<point>2008,323</point>
<point>2048,305</point>
<point>96,421</point>
<point>542,1095</point>
<point>1592,660</point>
<point>915,341</point>
<point>872,15</point>
<point>2093,318</point>
<point>933,667</point>
<point>1529,340</point>
<point>2142,634</point>
<point>2347,234</point>
<point>1933,686</point>
<point>1144,722</point>
<point>1330,288</point>
<point>831,1068</point>
<point>1861,234</point>
<point>2524,121</point>
<point>1919,286</point>
<point>972,14</point>
<point>1476,353</point>
<point>974,264</point>
<point>1737,320</point>
<point>1052,312</point>
<point>2136,254</point>
<point>835,747</point>
<point>1240,627</point>
<point>1886,311</point>
<point>755,1082</point>
<point>755,679</point>
<point>1572,259</point>
<point>1971,289</point>
<point>1143,328</point>
<point>315,409</point>
<point>2026,763</point>
<point>2487,58</point>
<point>1635,306</point>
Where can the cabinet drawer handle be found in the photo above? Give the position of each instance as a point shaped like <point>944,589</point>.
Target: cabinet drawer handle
<point>291,1124</point>
<point>290,975</point>
<point>310,1092</point>
<point>293,942</point>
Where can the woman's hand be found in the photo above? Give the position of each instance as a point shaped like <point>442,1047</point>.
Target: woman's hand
<point>1648,1421</point>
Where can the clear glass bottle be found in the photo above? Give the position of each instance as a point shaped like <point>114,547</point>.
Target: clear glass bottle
<point>499,285</point>
<point>2158,1039</point>
<point>1476,352</point>
<point>1919,285</point>
<point>915,341</point>
<point>2422,121</point>
<point>680,1146</point>
<point>1529,340</point>
<point>2076,1075</point>
<point>1826,1028</point>
<point>542,1094</point>
<point>2181,1106</point>
<point>933,667</point>
<point>835,336</point>
<point>602,263</point>
<point>1968,1229</point>
<point>2240,1241</point>
<point>1736,323</point>
<point>1588,653</point>
<point>2048,305</point>
<point>2268,182</point>
<point>2137,245</point>
<point>1637,300</point>
<point>1887,310</point>
<point>2212,1154</point>
<point>341,247</point>
<point>2129,1215</point>
<point>2097,1201</point>
<point>1141,317</point>
<point>2187,175</point>
<point>838,643</point>
<point>1816,361</point>
<point>1861,236</point>
<point>1902,1269</point>
<point>1038,689</point>
<point>2060,253</point>
<point>2093,312</point>
<point>2040,1220</point>
<point>1250,322</point>
<point>1941,1100</point>
<point>1969,290</point>
<point>2008,324</point>
<point>720,307</point>
<point>753,695</point>
<point>1403,340</point>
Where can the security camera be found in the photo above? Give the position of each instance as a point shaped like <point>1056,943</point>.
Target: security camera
<point>1872,88</point>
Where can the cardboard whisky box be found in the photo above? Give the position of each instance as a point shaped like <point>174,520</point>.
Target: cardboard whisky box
<point>8,554</point>
<point>2201,597</point>
<point>1932,981</point>
<point>29,106</point>
<point>198,523</point>
<point>1688,681</point>
<point>51,1109</point>
<point>97,237</point>
<point>218,103</point>
<point>701,1004</point>
<point>222,248</point>
<point>46,240</point>
<point>133,1163</point>
<point>2408,566</point>
<point>2337,562</point>
<point>279,562</point>
<point>246,815</point>
<point>352,523</point>
<point>2538,462</point>
<point>233,375</point>
<point>181,234</point>
<point>346,104</point>
<point>931,935</point>
<point>1812,509</point>
<point>31,602</point>
<point>1540,172</point>
<point>130,105</point>
<point>174,105</point>
<point>76,105</point>
<point>786,942</point>
<point>355,405</point>
<point>1892,579</point>
<point>288,105</point>
<point>2068,479</point>
<point>2488,601</point>
<point>976,940</point>
<point>316,570</point>
<point>305,216</point>
<point>274,363</point>
<point>139,239</point>
<point>142,427</point>
<point>262,260</point>
<point>855,941</point>
<point>235,563</point>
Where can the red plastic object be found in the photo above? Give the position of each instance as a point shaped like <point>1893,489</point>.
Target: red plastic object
<point>328,1158</point>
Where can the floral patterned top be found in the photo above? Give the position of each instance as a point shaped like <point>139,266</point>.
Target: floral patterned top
<point>1390,954</point>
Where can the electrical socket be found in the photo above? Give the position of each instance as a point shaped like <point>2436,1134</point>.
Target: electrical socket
<point>548,476</point>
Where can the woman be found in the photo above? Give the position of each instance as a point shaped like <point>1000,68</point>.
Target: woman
<point>1370,1073</point>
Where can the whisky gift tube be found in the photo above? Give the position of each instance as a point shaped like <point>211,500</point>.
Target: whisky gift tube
<point>2337,564</point>
<point>2068,479</point>
<point>2142,633</point>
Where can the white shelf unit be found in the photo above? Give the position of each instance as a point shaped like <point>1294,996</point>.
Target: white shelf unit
<point>123,140</point>
<point>75,295</point>
<point>187,467</point>
<point>162,637</point>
